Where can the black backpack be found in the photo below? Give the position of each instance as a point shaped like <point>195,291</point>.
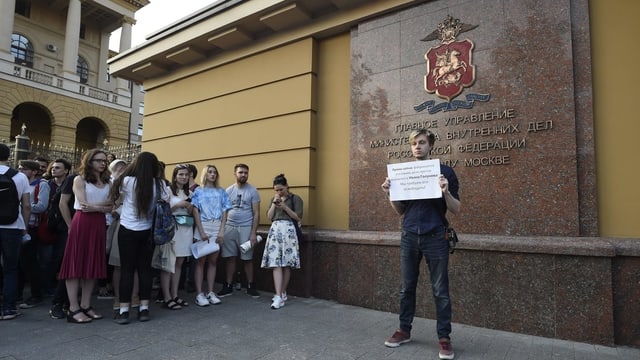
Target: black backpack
<point>9,198</point>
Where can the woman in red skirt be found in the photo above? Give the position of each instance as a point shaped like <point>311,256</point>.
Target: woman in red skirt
<point>84,255</point>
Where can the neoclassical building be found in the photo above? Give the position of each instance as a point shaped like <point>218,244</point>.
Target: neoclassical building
<point>54,77</point>
<point>532,103</point>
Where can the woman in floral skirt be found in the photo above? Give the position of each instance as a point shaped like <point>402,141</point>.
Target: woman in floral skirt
<point>281,251</point>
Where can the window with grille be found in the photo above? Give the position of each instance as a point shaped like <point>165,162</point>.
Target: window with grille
<point>22,50</point>
<point>82,70</point>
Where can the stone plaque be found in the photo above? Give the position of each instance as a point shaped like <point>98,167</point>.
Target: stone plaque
<point>498,92</point>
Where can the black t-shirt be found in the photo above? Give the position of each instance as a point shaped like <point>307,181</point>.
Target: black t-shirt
<point>424,215</point>
<point>67,189</point>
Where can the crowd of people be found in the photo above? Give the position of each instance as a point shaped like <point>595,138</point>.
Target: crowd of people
<point>62,232</point>
<point>72,231</point>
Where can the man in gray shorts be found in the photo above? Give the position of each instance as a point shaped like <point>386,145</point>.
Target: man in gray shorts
<point>242,224</point>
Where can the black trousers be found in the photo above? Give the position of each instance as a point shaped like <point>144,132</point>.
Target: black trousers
<point>136,251</point>
<point>60,295</point>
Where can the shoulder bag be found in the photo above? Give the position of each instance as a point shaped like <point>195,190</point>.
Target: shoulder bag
<point>449,234</point>
<point>296,224</point>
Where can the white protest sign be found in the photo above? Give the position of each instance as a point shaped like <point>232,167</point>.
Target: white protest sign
<point>414,180</point>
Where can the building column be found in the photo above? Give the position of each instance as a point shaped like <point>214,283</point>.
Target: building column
<point>122,86</point>
<point>5,127</point>
<point>72,41</point>
<point>103,67</point>
<point>7,12</point>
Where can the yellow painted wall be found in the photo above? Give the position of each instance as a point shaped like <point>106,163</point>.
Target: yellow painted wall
<point>259,110</point>
<point>281,111</point>
<point>333,133</point>
<point>615,54</point>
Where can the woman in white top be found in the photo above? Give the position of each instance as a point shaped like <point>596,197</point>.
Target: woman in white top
<point>139,187</point>
<point>84,258</point>
<point>186,216</point>
<point>117,167</point>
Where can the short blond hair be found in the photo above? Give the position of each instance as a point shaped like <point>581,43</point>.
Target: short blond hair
<point>430,136</point>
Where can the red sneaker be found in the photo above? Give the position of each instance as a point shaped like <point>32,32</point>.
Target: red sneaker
<point>398,338</point>
<point>446,350</point>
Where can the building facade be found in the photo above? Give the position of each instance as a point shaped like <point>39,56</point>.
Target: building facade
<point>54,75</point>
<point>326,91</point>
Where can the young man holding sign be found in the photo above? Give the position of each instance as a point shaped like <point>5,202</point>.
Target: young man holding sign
<point>423,235</point>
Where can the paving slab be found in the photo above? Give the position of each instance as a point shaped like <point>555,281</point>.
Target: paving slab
<point>246,328</point>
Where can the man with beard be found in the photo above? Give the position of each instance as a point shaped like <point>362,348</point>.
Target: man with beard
<point>242,224</point>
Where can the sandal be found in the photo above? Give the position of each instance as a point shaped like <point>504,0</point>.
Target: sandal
<point>72,319</point>
<point>91,313</point>
<point>181,302</point>
<point>172,305</point>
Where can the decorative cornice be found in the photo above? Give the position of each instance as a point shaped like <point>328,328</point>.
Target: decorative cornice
<point>139,4</point>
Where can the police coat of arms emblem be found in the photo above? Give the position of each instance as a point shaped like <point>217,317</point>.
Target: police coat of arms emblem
<point>449,65</point>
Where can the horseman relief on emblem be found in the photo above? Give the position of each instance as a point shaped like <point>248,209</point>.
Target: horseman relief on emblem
<point>449,66</point>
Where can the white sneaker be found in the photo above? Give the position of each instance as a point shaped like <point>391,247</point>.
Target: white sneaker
<point>201,300</point>
<point>213,299</point>
<point>284,296</point>
<point>277,302</point>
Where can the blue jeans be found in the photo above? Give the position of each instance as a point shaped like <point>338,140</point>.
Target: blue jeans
<point>10,241</point>
<point>435,249</point>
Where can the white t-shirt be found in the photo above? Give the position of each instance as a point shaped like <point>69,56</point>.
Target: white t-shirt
<point>129,217</point>
<point>22,185</point>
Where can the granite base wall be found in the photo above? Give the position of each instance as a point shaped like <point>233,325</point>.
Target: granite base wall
<point>579,289</point>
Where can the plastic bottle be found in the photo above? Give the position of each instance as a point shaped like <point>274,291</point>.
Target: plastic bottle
<point>246,246</point>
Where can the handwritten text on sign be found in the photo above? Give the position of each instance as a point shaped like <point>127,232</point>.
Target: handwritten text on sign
<point>414,180</point>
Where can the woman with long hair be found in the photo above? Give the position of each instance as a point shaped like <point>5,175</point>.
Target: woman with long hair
<point>139,187</point>
<point>117,167</point>
<point>213,204</point>
<point>84,258</point>
<point>282,249</point>
<point>186,216</point>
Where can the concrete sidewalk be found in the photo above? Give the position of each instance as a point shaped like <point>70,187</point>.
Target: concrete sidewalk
<point>246,328</point>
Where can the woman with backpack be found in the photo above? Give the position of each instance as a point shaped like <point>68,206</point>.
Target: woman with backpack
<point>138,189</point>
<point>84,258</point>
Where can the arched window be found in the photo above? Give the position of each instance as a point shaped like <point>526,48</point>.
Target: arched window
<point>82,70</point>
<point>22,50</point>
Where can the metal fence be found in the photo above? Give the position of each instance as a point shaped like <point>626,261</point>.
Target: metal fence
<point>52,152</point>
